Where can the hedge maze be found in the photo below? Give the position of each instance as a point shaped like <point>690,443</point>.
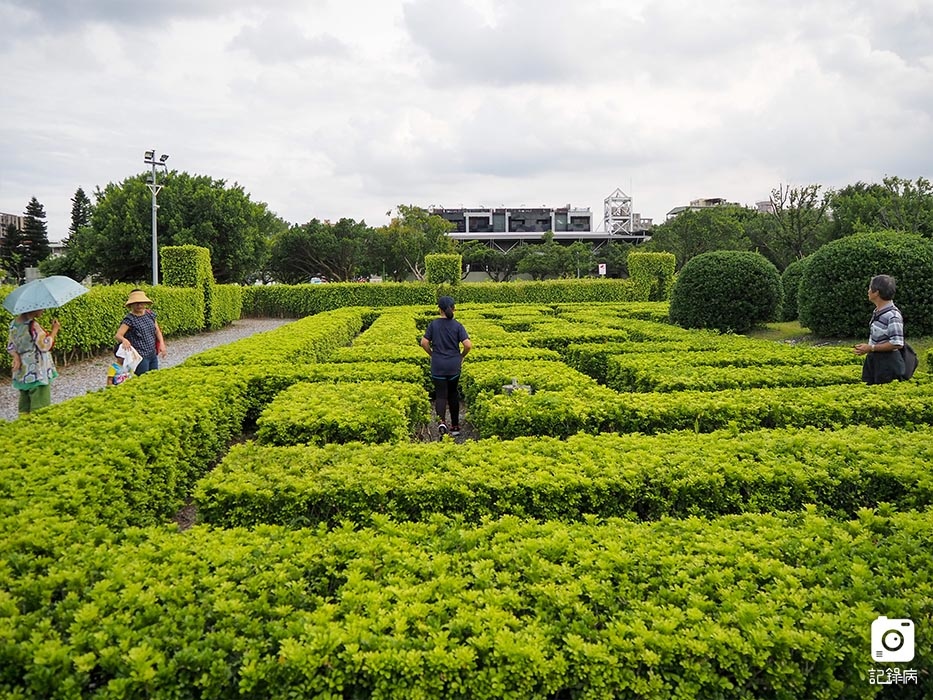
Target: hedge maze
<point>664,513</point>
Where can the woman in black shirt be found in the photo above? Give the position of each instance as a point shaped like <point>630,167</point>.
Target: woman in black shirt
<point>442,340</point>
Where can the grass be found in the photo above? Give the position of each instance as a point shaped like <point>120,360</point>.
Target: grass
<point>793,332</point>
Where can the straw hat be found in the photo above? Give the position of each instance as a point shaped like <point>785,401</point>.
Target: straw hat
<point>137,295</point>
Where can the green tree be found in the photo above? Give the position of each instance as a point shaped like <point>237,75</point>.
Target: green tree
<point>615,256</point>
<point>695,232</point>
<point>799,223</point>
<point>548,259</point>
<point>908,206</point>
<point>499,266</point>
<point>193,210</point>
<point>81,208</point>
<point>337,251</point>
<point>581,259</point>
<point>35,239</point>
<point>73,262</point>
<point>856,209</point>
<point>12,253</point>
<point>410,235</point>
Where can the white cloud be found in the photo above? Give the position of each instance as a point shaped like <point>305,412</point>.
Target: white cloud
<point>347,109</point>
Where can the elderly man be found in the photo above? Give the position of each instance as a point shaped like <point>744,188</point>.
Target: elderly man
<point>883,359</point>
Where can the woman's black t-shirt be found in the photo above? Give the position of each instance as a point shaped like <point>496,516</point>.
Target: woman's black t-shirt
<point>445,335</point>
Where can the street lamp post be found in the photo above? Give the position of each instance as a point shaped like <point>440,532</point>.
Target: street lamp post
<point>154,186</point>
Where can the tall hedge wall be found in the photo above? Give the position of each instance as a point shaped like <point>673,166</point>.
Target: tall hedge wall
<point>295,301</point>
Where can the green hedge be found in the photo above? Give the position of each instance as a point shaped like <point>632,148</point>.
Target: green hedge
<point>741,607</point>
<point>636,373</point>
<point>340,412</point>
<point>308,340</point>
<point>833,296</point>
<point>727,290</point>
<point>562,413</point>
<point>226,306</point>
<point>710,350</point>
<point>295,301</point>
<point>652,273</point>
<point>443,268</point>
<point>491,375</point>
<point>640,477</point>
<point>190,266</point>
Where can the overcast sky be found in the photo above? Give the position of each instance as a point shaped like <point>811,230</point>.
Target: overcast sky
<point>347,108</point>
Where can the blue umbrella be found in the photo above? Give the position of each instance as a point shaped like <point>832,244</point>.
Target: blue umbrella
<point>43,293</point>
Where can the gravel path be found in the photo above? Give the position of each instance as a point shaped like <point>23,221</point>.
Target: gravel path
<point>79,378</point>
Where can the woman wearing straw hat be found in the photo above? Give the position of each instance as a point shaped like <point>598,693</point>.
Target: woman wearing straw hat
<point>141,331</point>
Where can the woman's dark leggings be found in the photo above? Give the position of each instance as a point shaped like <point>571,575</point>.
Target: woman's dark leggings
<point>446,391</point>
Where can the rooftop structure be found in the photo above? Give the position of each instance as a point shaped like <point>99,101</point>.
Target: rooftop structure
<point>702,203</point>
<point>506,227</point>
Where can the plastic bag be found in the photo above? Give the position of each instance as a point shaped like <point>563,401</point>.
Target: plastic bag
<point>131,358</point>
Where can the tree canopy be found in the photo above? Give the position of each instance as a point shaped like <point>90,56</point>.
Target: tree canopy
<point>695,232</point>
<point>35,238</point>
<point>193,210</point>
<point>410,235</point>
<point>337,251</point>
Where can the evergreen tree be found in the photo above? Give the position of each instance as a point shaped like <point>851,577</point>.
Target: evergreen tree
<point>12,253</point>
<point>80,213</point>
<point>35,239</point>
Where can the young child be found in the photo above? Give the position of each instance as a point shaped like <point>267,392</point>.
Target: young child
<point>33,367</point>
<point>116,372</point>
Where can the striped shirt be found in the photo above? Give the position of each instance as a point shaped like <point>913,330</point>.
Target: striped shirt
<point>887,326</point>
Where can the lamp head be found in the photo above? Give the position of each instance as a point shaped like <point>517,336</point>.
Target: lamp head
<point>150,155</point>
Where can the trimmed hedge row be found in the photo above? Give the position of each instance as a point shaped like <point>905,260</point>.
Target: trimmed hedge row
<point>340,412</point>
<point>587,409</point>
<point>562,413</point>
<point>741,607</point>
<point>636,477</point>
<point>631,360</point>
<point>635,373</point>
<point>307,340</point>
<point>655,311</point>
<point>226,305</point>
<point>299,300</point>
<point>491,375</point>
<point>295,301</point>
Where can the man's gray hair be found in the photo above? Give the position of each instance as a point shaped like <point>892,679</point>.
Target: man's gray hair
<point>884,285</point>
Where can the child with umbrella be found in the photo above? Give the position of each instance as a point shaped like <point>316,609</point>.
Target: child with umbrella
<point>29,343</point>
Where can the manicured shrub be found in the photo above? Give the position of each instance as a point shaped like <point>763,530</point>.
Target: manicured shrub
<point>728,290</point>
<point>790,280</point>
<point>833,298</point>
<point>443,268</point>
<point>653,274</point>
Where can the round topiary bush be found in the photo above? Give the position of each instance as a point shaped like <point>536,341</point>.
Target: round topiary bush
<point>790,281</point>
<point>833,292</point>
<point>727,290</point>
